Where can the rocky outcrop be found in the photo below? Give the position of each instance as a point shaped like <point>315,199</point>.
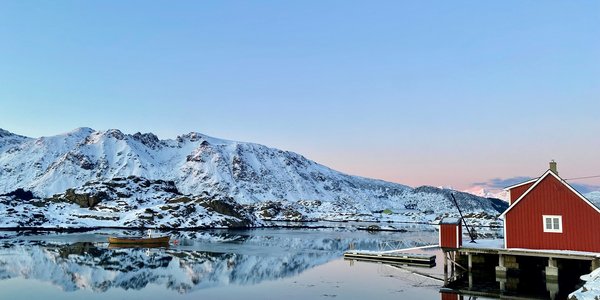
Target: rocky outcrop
<point>84,200</point>
<point>277,211</point>
<point>20,194</point>
<point>126,202</point>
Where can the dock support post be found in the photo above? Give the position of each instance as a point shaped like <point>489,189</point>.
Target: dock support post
<point>445,253</point>
<point>470,256</point>
<point>551,270</point>
<point>470,280</point>
<point>501,269</point>
<point>502,282</point>
<point>445,262</point>
<point>552,288</point>
<point>453,261</point>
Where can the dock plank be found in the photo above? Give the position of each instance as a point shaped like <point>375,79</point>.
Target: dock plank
<point>407,258</point>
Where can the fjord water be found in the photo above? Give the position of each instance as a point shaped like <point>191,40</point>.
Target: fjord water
<point>217,264</point>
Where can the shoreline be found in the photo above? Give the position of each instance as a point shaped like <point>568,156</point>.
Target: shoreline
<point>289,225</point>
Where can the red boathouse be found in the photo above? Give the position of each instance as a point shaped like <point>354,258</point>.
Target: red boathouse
<point>450,233</point>
<point>547,213</point>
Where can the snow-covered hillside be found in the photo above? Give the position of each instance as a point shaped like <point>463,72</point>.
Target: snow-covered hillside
<point>122,178</point>
<point>248,172</point>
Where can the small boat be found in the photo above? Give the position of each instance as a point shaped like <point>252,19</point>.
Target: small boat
<point>149,240</point>
<point>138,246</point>
<point>138,240</point>
<point>373,228</point>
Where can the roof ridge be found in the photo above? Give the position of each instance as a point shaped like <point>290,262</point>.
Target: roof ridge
<point>539,179</point>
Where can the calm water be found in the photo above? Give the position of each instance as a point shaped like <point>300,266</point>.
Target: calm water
<point>220,264</point>
<point>249,264</point>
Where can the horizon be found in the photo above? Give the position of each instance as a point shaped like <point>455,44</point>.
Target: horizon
<point>443,94</point>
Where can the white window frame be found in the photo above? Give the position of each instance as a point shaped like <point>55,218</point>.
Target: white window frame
<point>552,217</point>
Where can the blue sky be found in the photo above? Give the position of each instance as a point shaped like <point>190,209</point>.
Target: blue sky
<point>416,92</point>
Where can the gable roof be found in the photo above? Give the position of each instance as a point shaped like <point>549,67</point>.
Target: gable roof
<point>520,184</point>
<point>546,174</point>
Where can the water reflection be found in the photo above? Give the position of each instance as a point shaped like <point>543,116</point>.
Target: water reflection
<point>201,260</point>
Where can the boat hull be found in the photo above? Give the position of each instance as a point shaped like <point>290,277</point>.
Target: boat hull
<point>138,241</point>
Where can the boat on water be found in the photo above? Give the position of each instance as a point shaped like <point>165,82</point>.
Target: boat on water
<point>149,240</point>
<point>138,240</point>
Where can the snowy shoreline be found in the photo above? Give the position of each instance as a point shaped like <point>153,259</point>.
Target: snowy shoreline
<point>590,290</point>
<point>325,224</point>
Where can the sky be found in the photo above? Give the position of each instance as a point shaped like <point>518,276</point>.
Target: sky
<point>442,93</point>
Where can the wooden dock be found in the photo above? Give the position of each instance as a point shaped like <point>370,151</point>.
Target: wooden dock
<point>507,258</point>
<point>392,257</point>
<point>531,252</point>
<point>507,264</point>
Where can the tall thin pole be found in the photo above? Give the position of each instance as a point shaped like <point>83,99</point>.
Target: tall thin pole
<point>463,219</point>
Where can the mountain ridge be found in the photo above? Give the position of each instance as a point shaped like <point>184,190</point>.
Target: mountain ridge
<point>98,151</point>
<point>270,184</point>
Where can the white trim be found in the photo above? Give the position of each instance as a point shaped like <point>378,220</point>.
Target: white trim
<point>505,239</point>
<point>457,235</point>
<point>549,172</point>
<point>520,184</point>
<point>552,218</point>
<point>440,235</point>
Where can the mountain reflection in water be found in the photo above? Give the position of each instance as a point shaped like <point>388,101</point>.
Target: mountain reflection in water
<point>208,259</point>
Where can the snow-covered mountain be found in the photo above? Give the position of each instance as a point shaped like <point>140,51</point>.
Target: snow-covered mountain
<point>132,175</point>
<point>488,193</point>
<point>248,172</point>
<point>594,197</point>
<point>498,193</point>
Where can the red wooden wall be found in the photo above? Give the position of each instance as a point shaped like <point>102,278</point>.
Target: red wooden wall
<point>449,237</point>
<point>580,222</point>
<point>516,192</point>
<point>450,296</point>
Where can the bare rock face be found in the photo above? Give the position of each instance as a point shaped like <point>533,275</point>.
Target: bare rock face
<point>20,194</point>
<point>84,200</point>
<point>148,139</point>
<point>225,206</point>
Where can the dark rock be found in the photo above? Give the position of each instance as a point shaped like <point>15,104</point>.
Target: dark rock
<point>227,206</point>
<point>148,139</point>
<point>20,194</point>
<point>115,133</point>
<point>84,200</point>
<point>192,137</point>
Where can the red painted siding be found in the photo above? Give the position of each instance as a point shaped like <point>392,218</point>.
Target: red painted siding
<point>516,192</point>
<point>450,296</point>
<point>448,235</point>
<point>580,221</point>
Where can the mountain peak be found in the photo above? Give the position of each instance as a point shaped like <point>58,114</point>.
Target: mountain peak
<point>192,137</point>
<point>148,139</point>
<point>80,131</point>
<point>5,133</point>
<point>115,133</point>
